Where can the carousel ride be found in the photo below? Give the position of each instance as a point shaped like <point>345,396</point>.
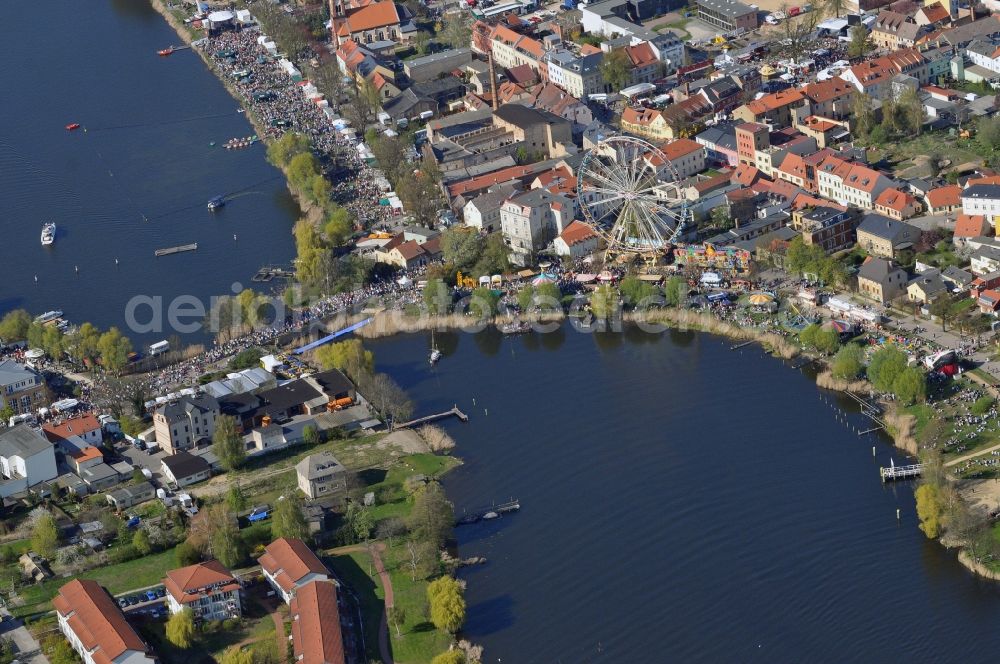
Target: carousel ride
<point>630,195</point>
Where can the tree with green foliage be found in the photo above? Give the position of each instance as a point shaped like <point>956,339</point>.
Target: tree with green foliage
<point>225,541</point>
<point>827,340</point>
<point>14,325</point>
<point>349,356</point>
<point>449,657</point>
<point>807,337</point>
<point>432,516</point>
<point>311,254</point>
<point>456,29</point>
<point>942,309</point>
<point>420,192</point>
<point>910,386</point>
<point>140,540</point>
<point>495,257</point>
<point>291,144</point>
<point>180,629</point>
<point>616,69</point>
<point>604,302</point>
<point>911,111</point>
<point>675,291</point>
<point>721,219</point>
<point>848,363</point>
<point>462,246</point>
<point>484,302</point>
<point>364,103</point>
<point>447,606</point>
<point>437,296</point>
<point>185,554</point>
<point>360,521</point>
<point>422,41</point>
<point>338,226</point>
<point>311,436</point>
<point>319,190</point>
<point>236,499</point>
<point>58,651</point>
<point>885,365</point>
<point>637,292</point>
<point>288,520</point>
<point>302,168</point>
<point>236,655</point>
<point>114,349</point>
<point>930,509</point>
<point>266,651</point>
<point>861,44</point>
<point>227,443</point>
<point>45,535</point>
<point>862,114</point>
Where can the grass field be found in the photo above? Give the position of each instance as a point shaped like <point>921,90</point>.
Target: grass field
<point>121,578</point>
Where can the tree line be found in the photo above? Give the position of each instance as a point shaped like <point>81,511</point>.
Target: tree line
<point>86,344</point>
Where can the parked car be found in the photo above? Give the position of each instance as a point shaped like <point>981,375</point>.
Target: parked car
<point>150,595</point>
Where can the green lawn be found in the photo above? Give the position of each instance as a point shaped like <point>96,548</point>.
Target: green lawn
<point>420,641</point>
<point>121,578</point>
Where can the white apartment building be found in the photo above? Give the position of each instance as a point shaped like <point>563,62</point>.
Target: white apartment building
<point>982,199</point>
<point>208,589</point>
<point>95,626</point>
<point>26,459</point>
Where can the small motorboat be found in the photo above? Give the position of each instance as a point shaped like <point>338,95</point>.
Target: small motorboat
<point>435,353</point>
<point>489,516</point>
<point>48,234</point>
<point>216,203</point>
<point>72,126</point>
<point>165,52</point>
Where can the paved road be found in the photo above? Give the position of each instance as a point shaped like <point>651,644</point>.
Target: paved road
<point>28,650</point>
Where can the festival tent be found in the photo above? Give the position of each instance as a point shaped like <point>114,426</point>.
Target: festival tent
<point>586,278</point>
<point>404,281</point>
<point>544,278</point>
<point>761,298</point>
<point>711,278</point>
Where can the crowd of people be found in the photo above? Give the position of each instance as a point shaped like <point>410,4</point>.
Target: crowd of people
<point>281,106</point>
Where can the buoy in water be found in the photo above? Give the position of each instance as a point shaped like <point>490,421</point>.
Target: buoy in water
<point>212,144</point>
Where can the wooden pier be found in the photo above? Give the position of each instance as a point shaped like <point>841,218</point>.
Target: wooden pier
<point>894,472</point>
<point>488,513</point>
<point>269,272</point>
<point>175,250</point>
<point>742,345</point>
<point>433,418</point>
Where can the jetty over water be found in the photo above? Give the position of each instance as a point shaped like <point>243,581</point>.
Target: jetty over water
<point>432,418</point>
<point>176,250</point>
<point>488,513</point>
<point>895,472</point>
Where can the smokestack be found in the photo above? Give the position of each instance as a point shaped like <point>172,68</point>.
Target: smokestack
<point>493,83</point>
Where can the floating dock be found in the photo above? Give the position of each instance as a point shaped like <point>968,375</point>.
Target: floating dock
<point>432,418</point>
<point>269,272</point>
<point>488,513</point>
<point>900,472</point>
<point>175,250</point>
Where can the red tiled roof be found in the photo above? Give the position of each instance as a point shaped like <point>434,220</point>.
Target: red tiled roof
<point>577,232</point>
<point>87,453</point>
<point>185,583</point>
<point>746,175</point>
<point>288,561</point>
<point>828,90</point>
<point>894,199</point>
<point>970,225</point>
<point>97,621</point>
<point>484,181</point>
<point>774,101</point>
<point>641,55</point>
<point>935,13</point>
<point>373,16</point>
<point>947,196</point>
<point>680,148</point>
<point>641,116</point>
<point>74,426</point>
<point>316,636</point>
<point>410,250</point>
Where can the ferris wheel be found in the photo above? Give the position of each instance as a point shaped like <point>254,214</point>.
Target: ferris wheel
<point>630,195</point>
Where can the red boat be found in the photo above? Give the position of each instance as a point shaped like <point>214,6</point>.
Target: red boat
<point>71,127</point>
<point>165,52</point>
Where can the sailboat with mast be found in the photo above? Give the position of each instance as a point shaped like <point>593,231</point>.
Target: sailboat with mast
<point>435,353</point>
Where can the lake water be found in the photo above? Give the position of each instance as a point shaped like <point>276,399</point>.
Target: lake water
<point>682,502</point>
<point>146,151</point>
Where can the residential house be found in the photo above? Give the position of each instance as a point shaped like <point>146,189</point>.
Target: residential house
<point>983,283</point>
<point>483,211</point>
<point>831,227</point>
<point>830,98</point>
<point>874,77</point>
<point>968,226</point>
<point>321,475</point>
<point>405,253</point>
<point>34,567</point>
<point>926,287</point>
<point>183,469</point>
<point>796,170</point>
<point>720,144</point>
<point>208,589</point>
<point>646,122</point>
<point>896,204</point>
<point>130,496</point>
<point>95,626</point>
<point>429,67</point>
<point>644,65</point>
<point>85,458</point>
<point>984,200</point>
<point>316,635</point>
<point>98,476</point>
<point>881,280</point>
<point>288,564</point>
<point>550,97</point>
<point>21,388</point>
<point>409,104</point>
<point>943,200</point>
<point>985,259</point>
<point>933,14</point>
<point>884,237</point>
<point>580,75</point>
<point>989,301</point>
<point>26,460</point>
<point>685,155</point>
<point>74,434</point>
<point>186,422</point>
<point>531,219</point>
<point>511,49</point>
<point>774,109</point>
<point>893,30</point>
<point>850,184</point>
<point>958,279</point>
<point>576,241</point>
